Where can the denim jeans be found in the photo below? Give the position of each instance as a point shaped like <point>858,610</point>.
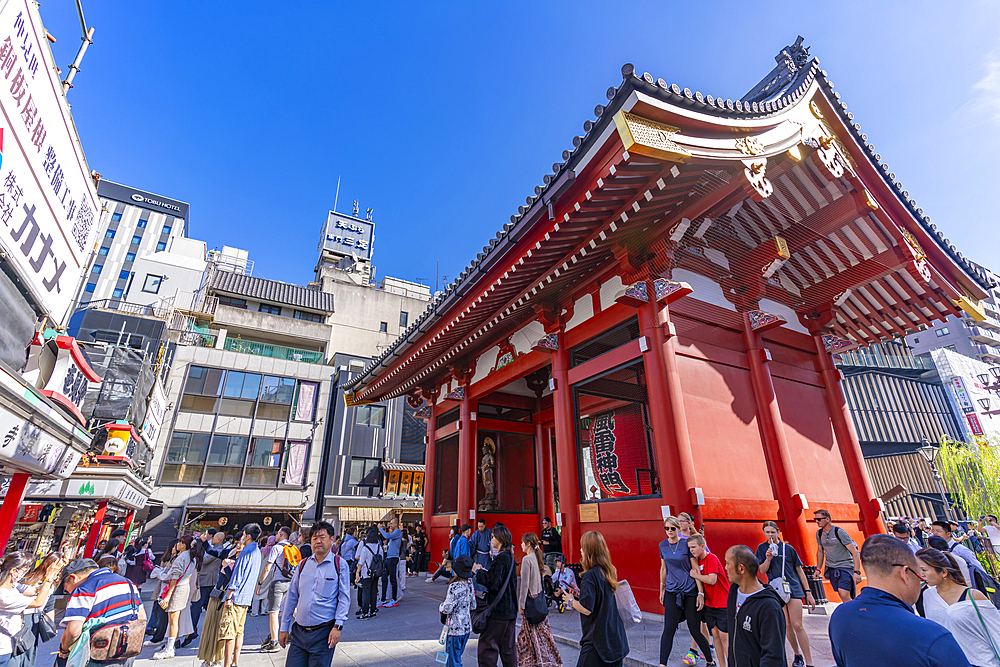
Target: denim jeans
<point>455,646</point>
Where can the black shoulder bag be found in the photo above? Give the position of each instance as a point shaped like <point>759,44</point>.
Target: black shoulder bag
<point>480,618</point>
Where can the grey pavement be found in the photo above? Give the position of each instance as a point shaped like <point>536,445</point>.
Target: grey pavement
<point>408,635</point>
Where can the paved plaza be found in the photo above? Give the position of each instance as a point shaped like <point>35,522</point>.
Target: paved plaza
<point>407,635</point>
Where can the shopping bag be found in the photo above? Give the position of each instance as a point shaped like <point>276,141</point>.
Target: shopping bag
<point>628,608</point>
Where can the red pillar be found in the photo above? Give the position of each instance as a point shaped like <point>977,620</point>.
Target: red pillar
<point>847,438</point>
<point>467,463</point>
<point>543,474</point>
<point>566,452</point>
<point>128,530</point>
<point>772,429</point>
<point>95,529</point>
<point>666,412</point>
<point>12,506</point>
<point>430,461</point>
<point>548,500</point>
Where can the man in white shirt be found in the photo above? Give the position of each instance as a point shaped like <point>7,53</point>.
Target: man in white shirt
<point>993,532</point>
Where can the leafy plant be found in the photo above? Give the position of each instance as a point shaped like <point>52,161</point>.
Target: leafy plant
<point>973,474</point>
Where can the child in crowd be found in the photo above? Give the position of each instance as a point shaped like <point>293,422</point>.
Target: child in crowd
<point>708,569</point>
<point>457,606</point>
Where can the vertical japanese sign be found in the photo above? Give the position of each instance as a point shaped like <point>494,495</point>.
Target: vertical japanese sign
<point>962,395</point>
<point>619,452</point>
<point>48,203</point>
<point>305,402</point>
<point>977,428</point>
<point>295,466</point>
<point>156,406</point>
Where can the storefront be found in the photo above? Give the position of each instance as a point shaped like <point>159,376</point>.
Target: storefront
<point>198,518</point>
<point>652,332</point>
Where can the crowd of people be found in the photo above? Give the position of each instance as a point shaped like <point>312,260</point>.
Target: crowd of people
<point>742,608</point>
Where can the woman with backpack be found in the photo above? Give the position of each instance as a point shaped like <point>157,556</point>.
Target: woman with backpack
<point>604,643</point>
<point>371,561</point>
<point>176,600</point>
<point>967,613</point>
<point>457,607</point>
<point>781,563</point>
<point>535,645</point>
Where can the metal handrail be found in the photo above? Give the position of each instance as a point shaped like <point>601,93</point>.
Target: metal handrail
<point>272,351</point>
<point>120,306</point>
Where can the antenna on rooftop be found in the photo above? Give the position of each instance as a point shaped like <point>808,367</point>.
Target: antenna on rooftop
<point>368,213</point>
<point>336,196</point>
<point>355,208</point>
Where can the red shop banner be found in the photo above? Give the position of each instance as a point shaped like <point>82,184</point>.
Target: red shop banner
<point>620,454</point>
<point>30,514</point>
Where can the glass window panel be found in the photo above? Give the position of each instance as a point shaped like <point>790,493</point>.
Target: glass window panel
<point>251,386</point>
<point>181,474</point>
<point>178,447</point>
<point>266,453</point>
<point>196,379</point>
<point>234,384</point>
<point>377,415</point>
<point>273,411</point>
<point>361,415</point>
<point>268,388</point>
<point>203,404</point>
<point>222,476</point>
<point>238,450</point>
<point>220,449</point>
<point>261,477</point>
<point>277,389</point>
<point>357,471</point>
<point>235,408</point>
<point>197,448</point>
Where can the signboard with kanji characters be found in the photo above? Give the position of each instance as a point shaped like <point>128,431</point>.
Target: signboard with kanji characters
<point>48,203</point>
<point>619,452</point>
<point>348,236</point>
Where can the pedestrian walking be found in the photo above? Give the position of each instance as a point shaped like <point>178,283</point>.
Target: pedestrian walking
<point>883,612</point>
<point>161,574</point>
<point>239,594</point>
<point>457,607</point>
<point>371,560</point>
<point>535,644</point>
<point>902,531</point>
<point>390,573</point>
<point>349,550</point>
<point>279,564</point>
<point>14,603</point>
<point>783,568</point>
<point>992,530</point>
<point>603,642</point>
<point>35,617</point>
<point>420,549</point>
<point>965,612</point>
<point>681,596</point>
<point>839,554</point>
<point>480,543</point>
<point>98,599</point>
<point>688,529</point>
<point>176,600</point>
<point>211,651</point>
<point>753,613</point>
<point>319,598</point>
<point>551,543</point>
<point>461,544</point>
<point>943,529</point>
<point>208,577</point>
<point>497,640</point>
<point>139,560</point>
<point>260,591</point>
<point>710,571</point>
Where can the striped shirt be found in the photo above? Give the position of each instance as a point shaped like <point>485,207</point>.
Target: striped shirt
<point>103,596</point>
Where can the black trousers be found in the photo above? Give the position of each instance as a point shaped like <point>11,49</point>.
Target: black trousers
<point>369,593</point>
<point>389,574</point>
<point>498,640</point>
<point>197,608</point>
<point>589,658</point>
<point>672,618</point>
<point>161,622</point>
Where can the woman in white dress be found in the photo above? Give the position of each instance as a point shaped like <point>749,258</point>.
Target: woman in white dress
<point>966,612</point>
<point>177,600</point>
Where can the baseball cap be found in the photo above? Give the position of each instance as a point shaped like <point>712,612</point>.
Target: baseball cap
<point>79,565</point>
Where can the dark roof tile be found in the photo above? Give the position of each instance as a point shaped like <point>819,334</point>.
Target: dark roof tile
<point>272,290</point>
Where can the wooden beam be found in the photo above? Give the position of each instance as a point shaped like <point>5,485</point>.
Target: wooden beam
<point>875,267</point>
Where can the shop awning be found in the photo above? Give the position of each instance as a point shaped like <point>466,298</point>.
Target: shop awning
<point>404,467</point>
<point>123,490</point>
<point>365,514</point>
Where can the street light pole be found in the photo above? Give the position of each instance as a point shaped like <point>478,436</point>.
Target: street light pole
<point>929,452</point>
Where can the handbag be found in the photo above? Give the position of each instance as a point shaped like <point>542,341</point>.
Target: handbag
<point>47,630</point>
<point>20,641</point>
<point>147,564</point>
<point>628,608</point>
<point>119,641</point>
<point>996,653</point>
<point>536,609</point>
<point>780,584</point>
<point>481,617</point>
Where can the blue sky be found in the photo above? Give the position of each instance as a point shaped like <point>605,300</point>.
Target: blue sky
<point>444,118</point>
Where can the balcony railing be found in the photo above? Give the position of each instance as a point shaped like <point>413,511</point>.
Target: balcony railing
<point>273,351</point>
<point>876,358</point>
<point>120,306</point>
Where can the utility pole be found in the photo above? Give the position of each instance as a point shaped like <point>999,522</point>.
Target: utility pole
<point>88,39</point>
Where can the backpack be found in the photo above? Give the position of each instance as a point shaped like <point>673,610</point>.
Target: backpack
<point>291,558</point>
<point>981,580</point>
<point>378,563</point>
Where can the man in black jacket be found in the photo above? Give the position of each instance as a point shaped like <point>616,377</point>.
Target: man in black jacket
<point>756,620</point>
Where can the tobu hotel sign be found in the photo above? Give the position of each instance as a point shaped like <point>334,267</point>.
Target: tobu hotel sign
<point>345,235</point>
<point>48,204</point>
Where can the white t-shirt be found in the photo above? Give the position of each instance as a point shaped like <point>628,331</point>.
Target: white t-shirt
<point>993,533</point>
<point>12,604</point>
<point>277,553</point>
<point>964,623</point>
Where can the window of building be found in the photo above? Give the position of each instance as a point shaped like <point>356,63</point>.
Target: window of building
<point>97,268</point>
<point>365,472</point>
<point>445,474</point>
<point>265,463</point>
<point>151,284</point>
<point>356,366</point>
<point>268,308</point>
<point>309,317</point>
<point>449,417</point>
<point>370,415</point>
<point>242,385</point>
<point>90,287</point>
<point>616,454</point>
<point>607,341</point>
<point>232,301</point>
<point>117,294</point>
<point>204,381</point>
<point>103,252</point>
<point>226,458</point>
<point>123,275</point>
<point>116,217</point>
<point>166,229</point>
<point>276,394</point>
<point>161,246</point>
<point>383,326</point>
<point>185,458</point>
<point>136,239</point>
<point>141,223</point>
<point>404,318</point>
<point>130,257</point>
<point>953,348</point>
<point>916,341</point>
<point>943,331</point>
<point>110,234</point>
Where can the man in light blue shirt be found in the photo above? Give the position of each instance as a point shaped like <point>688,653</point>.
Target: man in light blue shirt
<point>317,604</point>
<point>395,537</point>
<point>239,593</point>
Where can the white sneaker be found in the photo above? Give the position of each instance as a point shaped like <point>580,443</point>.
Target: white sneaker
<point>163,655</point>
<point>150,642</point>
<point>429,580</point>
